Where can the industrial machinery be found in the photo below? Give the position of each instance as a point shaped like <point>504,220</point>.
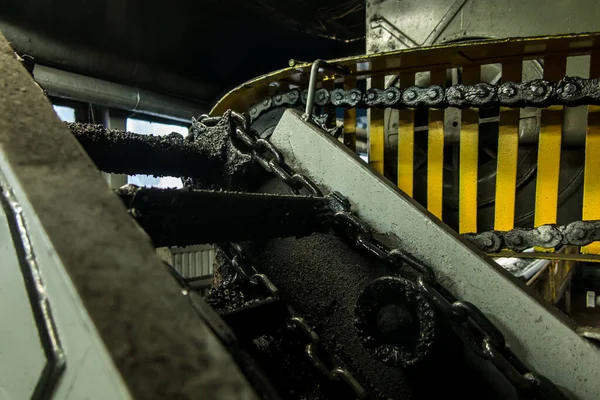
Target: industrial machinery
<point>330,280</point>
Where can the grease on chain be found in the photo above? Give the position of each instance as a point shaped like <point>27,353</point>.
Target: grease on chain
<point>314,350</point>
<point>468,321</point>
<point>569,91</point>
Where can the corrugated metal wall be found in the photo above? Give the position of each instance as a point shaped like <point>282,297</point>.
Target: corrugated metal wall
<point>193,261</point>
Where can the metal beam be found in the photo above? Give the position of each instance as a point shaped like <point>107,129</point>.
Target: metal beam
<point>186,217</point>
<point>121,152</point>
<point>114,95</point>
<point>539,334</point>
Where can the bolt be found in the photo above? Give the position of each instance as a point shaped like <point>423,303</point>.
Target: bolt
<point>278,97</point>
<point>339,96</point>
<point>392,318</point>
<point>266,102</point>
<point>390,95</point>
<point>354,95</point>
<point>432,94</point>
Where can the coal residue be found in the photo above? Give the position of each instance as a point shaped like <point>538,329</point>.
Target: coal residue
<point>207,155</point>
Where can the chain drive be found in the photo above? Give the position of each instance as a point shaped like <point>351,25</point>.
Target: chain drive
<point>468,321</point>
<point>569,91</point>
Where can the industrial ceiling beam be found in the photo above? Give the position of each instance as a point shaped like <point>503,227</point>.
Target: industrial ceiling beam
<point>539,334</point>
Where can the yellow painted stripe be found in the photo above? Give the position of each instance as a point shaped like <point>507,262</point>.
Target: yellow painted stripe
<point>435,152</point>
<point>350,118</point>
<point>549,149</point>
<point>350,129</point>
<point>591,177</point>
<point>376,131</point>
<point>469,147</point>
<point>546,198</point>
<point>508,150</point>
<point>406,141</point>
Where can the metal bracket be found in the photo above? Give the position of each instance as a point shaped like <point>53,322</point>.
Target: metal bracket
<point>312,84</point>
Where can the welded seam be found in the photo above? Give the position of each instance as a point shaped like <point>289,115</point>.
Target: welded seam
<point>38,296</point>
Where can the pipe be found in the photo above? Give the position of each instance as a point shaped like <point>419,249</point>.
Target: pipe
<point>93,63</point>
<point>312,84</point>
<point>109,94</point>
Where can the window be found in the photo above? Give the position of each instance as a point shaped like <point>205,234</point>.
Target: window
<point>154,128</point>
<point>66,114</point>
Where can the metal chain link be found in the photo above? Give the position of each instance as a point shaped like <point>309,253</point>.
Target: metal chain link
<point>569,91</point>
<point>578,233</point>
<point>314,349</point>
<point>470,323</point>
<point>246,271</point>
<point>270,158</point>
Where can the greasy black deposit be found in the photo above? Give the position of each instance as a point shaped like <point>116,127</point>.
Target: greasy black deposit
<point>321,277</point>
<point>206,155</point>
<point>174,217</point>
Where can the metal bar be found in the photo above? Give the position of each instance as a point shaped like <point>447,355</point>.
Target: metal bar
<point>537,333</point>
<point>376,130</point>
<point>174,217</point>
<point>591,177</point>
<point>350,118</point>
<point>549,150</point>
<point>90,61</point>
<point>312,84</point>
<point>38,298</point>
<point>91,255</point>
<point>435,152</point>
<point>202,282</point>
<point>109,94</point>
<point>406,141</point>
<point>468,167</point>
<point>549,256</point>
<point>508,151</point>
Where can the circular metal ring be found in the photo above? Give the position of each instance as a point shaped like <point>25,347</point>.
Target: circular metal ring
<point>395,322</point>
